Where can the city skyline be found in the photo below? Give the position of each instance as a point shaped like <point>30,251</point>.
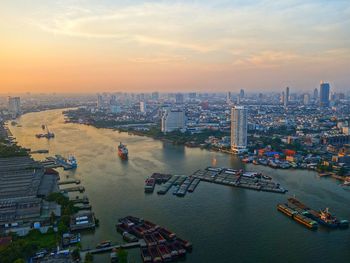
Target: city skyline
<point>110,46</point>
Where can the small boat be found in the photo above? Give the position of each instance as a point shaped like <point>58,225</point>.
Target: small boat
<point>103,244</point>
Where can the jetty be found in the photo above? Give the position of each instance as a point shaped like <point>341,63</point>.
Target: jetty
<point>80,189</point>
<point>69,181</point>
<point>140,243</point>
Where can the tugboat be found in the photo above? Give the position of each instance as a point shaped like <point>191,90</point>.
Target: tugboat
<point>327,219</point>
<point>123,151</point>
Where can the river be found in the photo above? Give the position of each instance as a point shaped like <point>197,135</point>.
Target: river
<point>224,224</point>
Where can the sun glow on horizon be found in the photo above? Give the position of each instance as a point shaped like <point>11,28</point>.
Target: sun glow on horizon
<point>92,46</point>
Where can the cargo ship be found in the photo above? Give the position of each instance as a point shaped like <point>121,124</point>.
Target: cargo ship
<point>324,217</point>
<point>123,151</point>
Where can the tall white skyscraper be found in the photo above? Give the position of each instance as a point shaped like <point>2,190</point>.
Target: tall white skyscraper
<point>143,106</point>
<point>173,120</point>
<point>306,98</point>
<point>14,106</point>
<point>228,97</point>
<point>239,128</point>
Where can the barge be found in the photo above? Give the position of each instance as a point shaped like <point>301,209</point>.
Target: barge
<point>324,217</point>
<point>149,185</point>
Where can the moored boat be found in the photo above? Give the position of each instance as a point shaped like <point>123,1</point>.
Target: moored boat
<point>103,244</point>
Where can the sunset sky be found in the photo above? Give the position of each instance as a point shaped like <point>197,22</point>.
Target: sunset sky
<point>110,45</point>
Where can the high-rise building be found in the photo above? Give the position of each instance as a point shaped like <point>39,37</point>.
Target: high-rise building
<point>192,95</point>
<point>14,106</point>
<point>239,116</point>
<point>241,93</point>
<point>179,98</point>
<point>100,103</point>
<point>286,97</point>
<point>282,98</point>
<point>324,94</point>
<point>306,98</point>
<point>143,106</point>
<point>228,97</point>
<point>172,120</point>
<point>315,94</point>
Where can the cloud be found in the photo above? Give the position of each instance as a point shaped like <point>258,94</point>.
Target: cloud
<point>251,33</point>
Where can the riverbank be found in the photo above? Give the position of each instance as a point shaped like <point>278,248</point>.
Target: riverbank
<point>208,139</point>
<point>119,186</point>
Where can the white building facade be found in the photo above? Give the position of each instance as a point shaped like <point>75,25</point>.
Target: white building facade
<point>14,106</point>
<point>239,116</point>
<point>172,120</point>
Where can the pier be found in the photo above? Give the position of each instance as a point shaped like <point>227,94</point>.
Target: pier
<point>224,176</point>
<point>80,189</point>
<point>69,181</point>
<point>140,243</point>
<point>84,200</point>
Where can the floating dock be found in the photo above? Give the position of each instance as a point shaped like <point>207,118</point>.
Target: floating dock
<point>239,178</point>
<point>165,187</point>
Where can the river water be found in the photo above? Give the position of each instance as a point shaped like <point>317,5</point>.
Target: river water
<point>224,224</point>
